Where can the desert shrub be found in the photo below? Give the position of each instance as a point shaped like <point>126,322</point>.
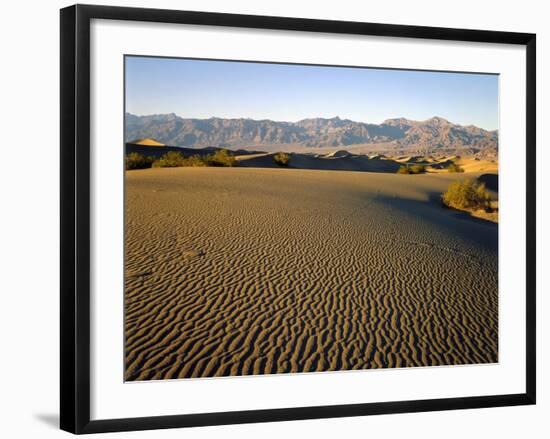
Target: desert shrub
<point>467,194</point>
<point>221,157</point>
<point>453,167</point>
<point>194,160</point>
<point>413,169</point>
<point>418,169</point>
<point>282,158</point>
<point>135,160</point>
<point>171,159</point>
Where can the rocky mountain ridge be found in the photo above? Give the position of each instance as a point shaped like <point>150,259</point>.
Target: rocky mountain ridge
<point>429,135</point>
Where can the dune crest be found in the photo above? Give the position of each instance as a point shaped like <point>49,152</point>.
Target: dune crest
<point>147,142</point>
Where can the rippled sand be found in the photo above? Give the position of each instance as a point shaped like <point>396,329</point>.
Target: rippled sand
<point>240,271</point>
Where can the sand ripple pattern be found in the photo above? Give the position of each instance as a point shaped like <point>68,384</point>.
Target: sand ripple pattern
<point>262,271</point>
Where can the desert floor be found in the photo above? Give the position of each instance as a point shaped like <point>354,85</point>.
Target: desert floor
<point>240,271</point>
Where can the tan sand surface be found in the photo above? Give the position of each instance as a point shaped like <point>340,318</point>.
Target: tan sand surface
<point>240,271</point>
<point>476,165</point>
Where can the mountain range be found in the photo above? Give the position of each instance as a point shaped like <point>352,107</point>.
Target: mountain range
<point>400,134</point>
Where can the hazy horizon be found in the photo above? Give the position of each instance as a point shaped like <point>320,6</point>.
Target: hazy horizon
<point>205,89</point>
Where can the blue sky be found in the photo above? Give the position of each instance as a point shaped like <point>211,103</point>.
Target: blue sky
<point>282,92</point>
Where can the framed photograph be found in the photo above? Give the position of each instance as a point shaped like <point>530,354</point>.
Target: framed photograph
<point>267,219</point>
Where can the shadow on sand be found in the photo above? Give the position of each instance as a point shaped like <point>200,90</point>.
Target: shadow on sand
<point>457,223</point>
<point>348,162</point>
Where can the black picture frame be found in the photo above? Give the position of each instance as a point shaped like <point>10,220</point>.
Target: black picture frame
<point>75,217</point>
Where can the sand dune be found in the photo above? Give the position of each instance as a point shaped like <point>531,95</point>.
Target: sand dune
<point>411,159</point>
<point>338,154</point>
<point>240,271</point>
<point>147,142</point>
<point>344,161</point>
<point>339,161</point>
<point>475,165</point>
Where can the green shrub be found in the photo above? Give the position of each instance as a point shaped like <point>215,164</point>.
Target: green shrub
<point>282,158</point>
<point>413,169</point>
<point>135,160</point>
<point>194,160</point>
<point>221,157</point>
<point>467,194</point>
<point>453,167</point>
<point>171,159</point>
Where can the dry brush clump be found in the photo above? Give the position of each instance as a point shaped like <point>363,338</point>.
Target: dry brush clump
<point>137,161</point>
<point>467,195</point>
<point>282,158</point>
<point>175,159</point>
<point>172,159</point>
<point>221,157</point>
<point>453,167</point>
<point>413,169</point>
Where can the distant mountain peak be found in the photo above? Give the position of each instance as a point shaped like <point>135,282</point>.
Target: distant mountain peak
<point>433,134</point>
<point>438,120</point>
<point>400,121</point>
